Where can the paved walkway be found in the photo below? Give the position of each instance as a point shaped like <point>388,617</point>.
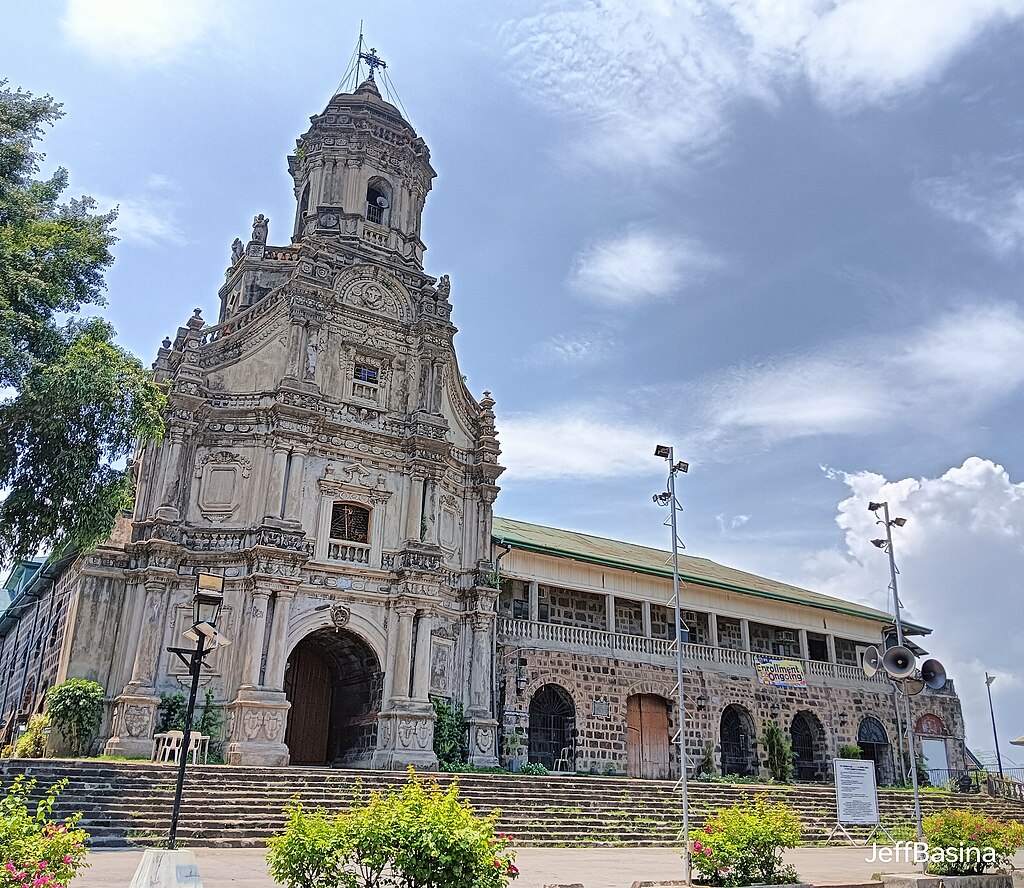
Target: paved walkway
<point>594,867</point>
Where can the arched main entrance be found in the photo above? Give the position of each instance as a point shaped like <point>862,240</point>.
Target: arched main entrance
<point>737,736</point>
<point>333,681</point>
<point>647,740</point>
<point>874,745</point>
<point>552,725</point>
<point>808,738</point>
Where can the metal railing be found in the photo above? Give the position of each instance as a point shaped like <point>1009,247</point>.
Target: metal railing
<point>561,636</point>
<point>374,214</point>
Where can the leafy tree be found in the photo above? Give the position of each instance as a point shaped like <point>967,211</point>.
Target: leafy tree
<point>779,750</point>
<point>78,403</point>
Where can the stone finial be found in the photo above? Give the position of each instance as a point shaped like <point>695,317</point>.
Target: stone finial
<point>196,322</point>
<point>260,224</point>
<point>167,342</point>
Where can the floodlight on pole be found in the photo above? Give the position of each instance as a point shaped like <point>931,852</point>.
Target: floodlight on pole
<point>668,498</point>
<point>898,619</point>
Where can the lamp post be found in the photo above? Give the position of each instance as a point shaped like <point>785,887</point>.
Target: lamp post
<point>668,498</point>
<point>886,544</point>
<point>206,607</point>
<point>991,711</point>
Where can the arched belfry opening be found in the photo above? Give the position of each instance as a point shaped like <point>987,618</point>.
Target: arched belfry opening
<point>378,201</point>
<point>333,681</point>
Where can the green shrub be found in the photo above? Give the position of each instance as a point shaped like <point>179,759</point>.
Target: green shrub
<point>963,843</point>
<point>850,751</point>
<point>706,767</point>
<point>779,750</point>
<point>75,707</point>
<point>32,744</point>
<point>451,734</point>
<point>170,714</point>
<point>742,845</point>
<point>34,850</point>
<point>420,837</point>
<point>533,769</point>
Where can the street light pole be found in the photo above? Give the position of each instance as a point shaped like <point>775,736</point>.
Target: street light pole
<point>669,498</point>
<point>995,736</point>
<point>195,667</point>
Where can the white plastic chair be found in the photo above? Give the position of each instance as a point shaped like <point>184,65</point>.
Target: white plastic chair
<point>173,741</point>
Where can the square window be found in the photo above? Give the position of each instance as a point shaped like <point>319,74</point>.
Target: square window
<point>367,374</point>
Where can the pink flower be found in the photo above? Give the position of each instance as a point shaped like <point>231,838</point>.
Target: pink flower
<point>67,860</point>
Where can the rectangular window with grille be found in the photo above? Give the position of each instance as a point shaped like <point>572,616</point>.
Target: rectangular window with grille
<point>350,523</point>
<point>365,381</point>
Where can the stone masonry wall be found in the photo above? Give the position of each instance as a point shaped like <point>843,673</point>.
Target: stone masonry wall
<point>836,711</point>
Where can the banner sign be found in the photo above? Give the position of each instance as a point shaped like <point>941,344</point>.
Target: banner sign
<point>856,794</point>
<point>781,673</point>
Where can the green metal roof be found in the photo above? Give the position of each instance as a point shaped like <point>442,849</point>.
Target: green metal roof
<point>658,562</point>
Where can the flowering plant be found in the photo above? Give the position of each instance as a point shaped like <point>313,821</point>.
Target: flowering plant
<point>742,845</point>
<point>35,851</point>
<point>963,843</point>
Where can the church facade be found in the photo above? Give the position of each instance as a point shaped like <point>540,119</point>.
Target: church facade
<point>324,455</point>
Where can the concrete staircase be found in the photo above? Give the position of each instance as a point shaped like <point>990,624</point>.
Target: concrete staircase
<point>129,803</point>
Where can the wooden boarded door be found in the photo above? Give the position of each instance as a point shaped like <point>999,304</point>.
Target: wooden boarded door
<point>307,685</point>
<point>647,740</point>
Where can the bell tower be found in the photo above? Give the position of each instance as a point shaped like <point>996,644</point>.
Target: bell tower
<point>361,178</point>
<point>324,454</point>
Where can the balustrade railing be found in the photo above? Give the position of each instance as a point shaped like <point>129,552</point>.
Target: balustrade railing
<point>663,648</point>
<point>353,553</point>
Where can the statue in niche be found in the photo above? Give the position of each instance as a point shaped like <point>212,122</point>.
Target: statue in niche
<point>311,356</point>
<point>236,250</point>
<point>260,224</point>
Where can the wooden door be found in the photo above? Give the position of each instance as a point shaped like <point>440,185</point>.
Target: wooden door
<point>647,740</point>
<point>308,688</point>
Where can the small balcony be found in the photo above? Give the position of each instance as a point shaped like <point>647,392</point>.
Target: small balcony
<point>348,553</point>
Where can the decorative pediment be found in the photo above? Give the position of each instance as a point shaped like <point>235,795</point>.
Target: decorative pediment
<point>370,288</point>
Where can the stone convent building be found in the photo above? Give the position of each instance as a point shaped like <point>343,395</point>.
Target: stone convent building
<point>324,455</point>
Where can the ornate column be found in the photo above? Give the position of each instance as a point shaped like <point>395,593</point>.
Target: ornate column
<point>414,515</point>
<point>405,729</point>
<point>274,678</point>
<point>293,502</point>
<point>389,658</point>
<point>421,671</point>
<point>134,717</point>
<point>403,650</point>
<point>258,715</point>
<point>483,728</point>
<point>275,485</point>
<point>257,629</point>
<point>170,476</point>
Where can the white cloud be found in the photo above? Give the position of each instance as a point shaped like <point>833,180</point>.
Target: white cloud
<point>148,217</point>
<point>654,77</point>
<point>960,555</point>
<point>570,350</point>
<point>140,33</point>
<point>988,197</point>
<point>639,266</point>
<point>953,367</point>
<point>574,442</point>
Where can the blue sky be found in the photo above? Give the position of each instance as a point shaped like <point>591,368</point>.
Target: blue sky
<point>786,237</point>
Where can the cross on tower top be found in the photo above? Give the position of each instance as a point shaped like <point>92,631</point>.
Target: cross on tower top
<point>373,61</point>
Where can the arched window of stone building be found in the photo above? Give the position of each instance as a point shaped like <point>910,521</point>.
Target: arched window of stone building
<point>378,201</point>
<point>874,744</point>
<point>349,537</point>
<point>552,726</point>
<point>808,739</point>
<point>737,738</point>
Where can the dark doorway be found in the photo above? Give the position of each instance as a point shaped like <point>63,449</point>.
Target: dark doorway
<point>737,737</point>
<point>808,738</point>
<point>874,745</point>
<point>647,740</point>
<point>552,724</point>
<point>333,681</point>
